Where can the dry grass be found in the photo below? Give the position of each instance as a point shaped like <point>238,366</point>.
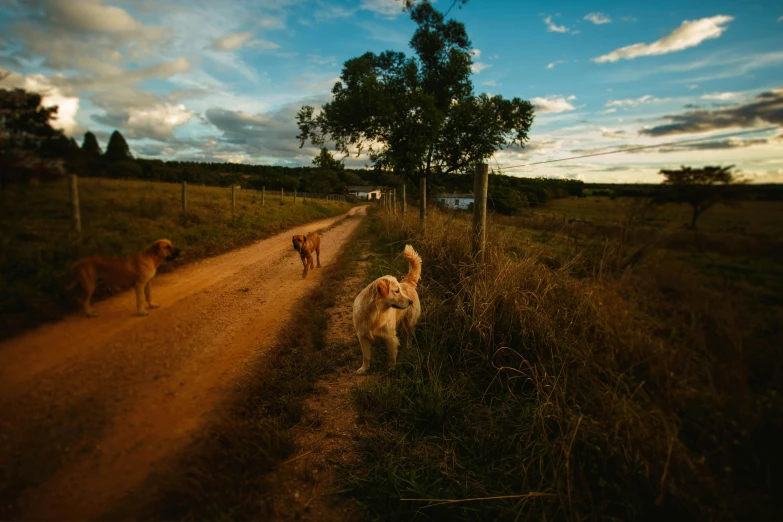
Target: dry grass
<point>572,381</point>
<point>120,218</point>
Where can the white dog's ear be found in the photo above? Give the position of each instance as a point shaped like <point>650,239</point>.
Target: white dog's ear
<point>383,288</point>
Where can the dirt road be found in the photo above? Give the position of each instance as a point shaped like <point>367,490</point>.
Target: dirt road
<point>90,408</point>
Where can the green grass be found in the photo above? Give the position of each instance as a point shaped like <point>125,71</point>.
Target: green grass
<point>225,475</point>
<point>120,218</point>
<point>574,384</point>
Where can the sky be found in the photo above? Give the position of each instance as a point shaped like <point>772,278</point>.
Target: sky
<point>222,80</point>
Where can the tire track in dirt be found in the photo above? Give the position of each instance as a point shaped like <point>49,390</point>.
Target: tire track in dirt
<point>92,407</point>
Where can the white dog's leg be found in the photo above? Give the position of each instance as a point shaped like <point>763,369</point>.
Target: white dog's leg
<point>366,345</point>
<point>392,343</point>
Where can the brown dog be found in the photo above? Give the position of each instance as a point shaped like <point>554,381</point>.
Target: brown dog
<point>385,304</point>
<point>306,246</point>
<point>136,270</point>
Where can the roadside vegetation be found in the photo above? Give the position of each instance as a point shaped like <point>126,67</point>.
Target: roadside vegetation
<point>611,375</point>
<point>120,218</point>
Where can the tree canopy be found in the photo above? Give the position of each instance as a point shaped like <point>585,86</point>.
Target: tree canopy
<point>415,115</point>
<point>700,188</point>
<point>117,149</point>
<point>326,161</point>
<point>26,134</point>
<point>90,145</point>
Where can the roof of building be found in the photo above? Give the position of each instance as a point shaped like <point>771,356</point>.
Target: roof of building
<point>455,196</point>
<point>364,188</point>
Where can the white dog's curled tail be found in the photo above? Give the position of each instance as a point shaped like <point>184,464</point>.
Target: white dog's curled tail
<point>414,273</point>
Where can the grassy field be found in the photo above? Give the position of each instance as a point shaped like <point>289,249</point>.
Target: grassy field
<point>120,218</point>
<point>626,371</point>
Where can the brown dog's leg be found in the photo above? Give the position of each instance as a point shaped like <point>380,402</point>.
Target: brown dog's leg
<point>148,295</point>
<point>139,300</point>
<point>305,263</point>
<point>318,253</point>
<point>366,345</point>
<point>88,290</point>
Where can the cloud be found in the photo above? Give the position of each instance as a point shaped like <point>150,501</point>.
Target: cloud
<point>477,66</point>
<point>554,28</point>
<point>730,143</point>
<point>235,41</point>
<point>556,62</point>
<point>67,105</point>
<point>598,18</point>
<point>270,135</point>
<point>612,133</point>
<point>231,41</point>
<point>82,35</point>
<point>608,111</point>
<point>332,12</point>
<point>634,102</point>
<point>386,8</point>
<point>780,19</point>
<point>153,121</point>
<point>767,107</point>
<point>491,83</point>
<point>271,22</point>
<point>689,34</point>
<point>722,96</point>
<point>553,104</point>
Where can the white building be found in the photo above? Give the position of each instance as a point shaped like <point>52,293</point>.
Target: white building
<point>365,193</point>
<point>456,201</point>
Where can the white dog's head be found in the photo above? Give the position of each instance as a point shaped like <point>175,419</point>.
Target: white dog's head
<point>392,294</point>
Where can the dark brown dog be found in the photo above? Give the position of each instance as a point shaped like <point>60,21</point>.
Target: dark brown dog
<point>136,270</point>
<point>306,246</point>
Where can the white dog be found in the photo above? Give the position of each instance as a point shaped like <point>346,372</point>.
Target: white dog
<point>383,305</point>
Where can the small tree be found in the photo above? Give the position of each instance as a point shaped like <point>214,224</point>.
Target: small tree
<point>700,188</point>
<point>117,149</point>
<point>90,145</point>
<point>326,161</point>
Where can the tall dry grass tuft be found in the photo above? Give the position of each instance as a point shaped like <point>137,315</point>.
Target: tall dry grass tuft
<point>569,397</point>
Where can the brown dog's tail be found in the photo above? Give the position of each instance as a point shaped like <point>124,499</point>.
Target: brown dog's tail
<point>414,273</point>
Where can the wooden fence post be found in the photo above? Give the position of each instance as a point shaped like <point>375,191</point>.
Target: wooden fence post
<point>423,202</point>
<point>233,200</point>
<point>394,200</point>
<point>73,191</point>
<point>304,198</point>
<point>294,196</point>
<point>403,199</point>
<point>480,182</point>
<point>263,196</point>
<point>282,195</point>
<point>184,196</point>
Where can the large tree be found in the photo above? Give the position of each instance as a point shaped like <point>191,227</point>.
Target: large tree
<point>26,134</point>
<point>700,188</point>
<point>417,115</point>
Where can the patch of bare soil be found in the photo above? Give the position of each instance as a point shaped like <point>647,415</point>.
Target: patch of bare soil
<point>90,409</point>
<point>327,433</point>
